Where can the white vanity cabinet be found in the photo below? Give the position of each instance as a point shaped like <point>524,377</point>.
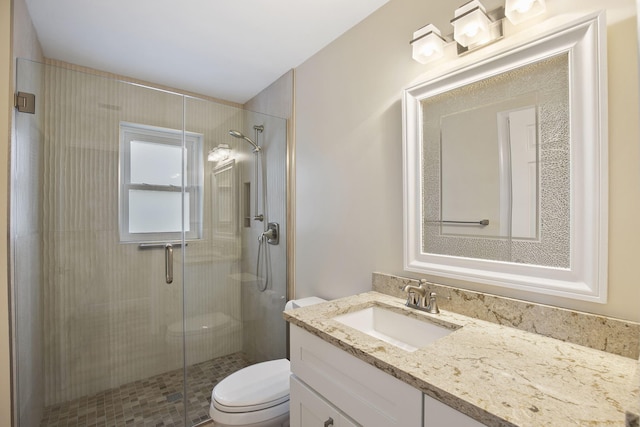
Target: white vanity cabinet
<point>309,409</point>
<point>330,387</point>
<point>437,414</point>
<point>359,393</point>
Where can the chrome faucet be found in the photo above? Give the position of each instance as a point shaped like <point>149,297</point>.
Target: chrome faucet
<point>422,303</point>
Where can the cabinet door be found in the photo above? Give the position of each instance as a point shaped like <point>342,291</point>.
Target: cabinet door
<point>308,409</point>
<point>437,414</point>
<point>368,395</point>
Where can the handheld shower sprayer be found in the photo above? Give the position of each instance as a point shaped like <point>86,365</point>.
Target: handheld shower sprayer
<point>271,233</point>
<point>238,134</point>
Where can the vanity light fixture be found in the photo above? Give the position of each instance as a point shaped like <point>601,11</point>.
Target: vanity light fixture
<point>473,28</point>
<point>471,25</point>
<point>219,153</point>
<point>428,44</point>
<point>521,10</point>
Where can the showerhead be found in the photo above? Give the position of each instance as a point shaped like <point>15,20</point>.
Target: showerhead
<point>240,135</point>
<point>236,134</point>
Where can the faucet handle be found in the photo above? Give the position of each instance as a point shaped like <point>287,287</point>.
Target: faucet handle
<point>415,295</point>
<point>412,298</point>
<point>432,305</point>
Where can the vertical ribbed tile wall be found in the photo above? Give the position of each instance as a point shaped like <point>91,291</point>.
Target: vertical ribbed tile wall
<point>264,335</point>
<point>106,305</point>
<point>264,327</point>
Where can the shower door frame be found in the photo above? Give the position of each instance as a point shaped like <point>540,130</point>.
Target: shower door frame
<point>15,220</point>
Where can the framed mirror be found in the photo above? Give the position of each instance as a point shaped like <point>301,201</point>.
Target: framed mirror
<point>505,167</point>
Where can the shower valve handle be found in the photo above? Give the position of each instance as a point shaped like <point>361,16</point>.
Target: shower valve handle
<point>270,234</point>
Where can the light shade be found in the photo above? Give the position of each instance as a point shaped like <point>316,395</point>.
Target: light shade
<point>521,10</point>
<point>219,153</point>
<point>471,24</point>
<point>427,44</point>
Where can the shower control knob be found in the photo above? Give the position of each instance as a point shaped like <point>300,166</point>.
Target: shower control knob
<point>272,233</point>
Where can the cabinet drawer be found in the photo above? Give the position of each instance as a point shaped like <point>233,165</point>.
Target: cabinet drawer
<point>366,394</point>
<point>308,409</point>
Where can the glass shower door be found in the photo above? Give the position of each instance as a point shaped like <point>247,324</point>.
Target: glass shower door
<point>233,303</point>
<point>105,174</point>
<point>103,177</point>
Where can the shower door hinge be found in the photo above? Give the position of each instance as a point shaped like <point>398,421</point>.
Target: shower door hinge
<point>25,102</point>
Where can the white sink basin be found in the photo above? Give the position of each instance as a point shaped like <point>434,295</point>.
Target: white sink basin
<point>402,331</point>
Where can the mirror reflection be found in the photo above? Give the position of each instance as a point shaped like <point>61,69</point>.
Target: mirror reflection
<point>489,170</point>
<point>496,177</point>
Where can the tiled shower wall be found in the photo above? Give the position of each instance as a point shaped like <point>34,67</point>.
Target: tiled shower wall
<point>264,336</point>
<point>106,305</point>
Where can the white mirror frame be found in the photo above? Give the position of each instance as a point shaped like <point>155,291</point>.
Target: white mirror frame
<point>586,279</point>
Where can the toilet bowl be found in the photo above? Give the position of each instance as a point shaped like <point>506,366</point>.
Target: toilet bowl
<point>258,395</point>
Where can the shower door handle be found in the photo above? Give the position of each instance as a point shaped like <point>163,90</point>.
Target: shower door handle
<point>168,262</point>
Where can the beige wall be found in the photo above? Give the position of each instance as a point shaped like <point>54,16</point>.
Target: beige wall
<point>349,143</point>
<point>624,172</point>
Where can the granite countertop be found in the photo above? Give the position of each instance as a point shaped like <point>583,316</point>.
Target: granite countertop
<point>498,375</point>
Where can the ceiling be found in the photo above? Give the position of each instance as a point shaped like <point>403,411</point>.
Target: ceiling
<point>227,49</point>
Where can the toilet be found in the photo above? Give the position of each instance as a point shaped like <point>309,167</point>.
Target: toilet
<point>258,395</point>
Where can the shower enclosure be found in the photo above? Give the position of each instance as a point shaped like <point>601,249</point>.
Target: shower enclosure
<point>134,252</point>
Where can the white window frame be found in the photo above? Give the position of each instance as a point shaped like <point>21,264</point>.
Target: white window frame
<point>192,184</point>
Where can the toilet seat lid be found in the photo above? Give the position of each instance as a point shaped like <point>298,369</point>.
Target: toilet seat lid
<point>255,387</point>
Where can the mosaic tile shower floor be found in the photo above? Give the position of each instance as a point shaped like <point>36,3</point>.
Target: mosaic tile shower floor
<point>155,401</point>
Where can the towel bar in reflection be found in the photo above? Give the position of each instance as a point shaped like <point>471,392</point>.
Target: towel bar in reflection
<point>481,222</point>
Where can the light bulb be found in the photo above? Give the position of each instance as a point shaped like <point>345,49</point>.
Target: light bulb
<point>471,25</point>
<point>219,153</point>
<point>427,51</point>
<point>471,30</point>
<point>427,44</point>
<point>523,6</point>
<point>520,10</point>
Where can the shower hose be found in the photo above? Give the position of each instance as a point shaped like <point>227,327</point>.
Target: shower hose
<point>262,241</point>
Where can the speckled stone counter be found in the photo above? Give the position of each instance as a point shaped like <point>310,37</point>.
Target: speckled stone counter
<point>599,332</point>
<point>496,374</point>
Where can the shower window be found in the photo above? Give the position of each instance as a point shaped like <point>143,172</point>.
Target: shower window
<point>154,169</point>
